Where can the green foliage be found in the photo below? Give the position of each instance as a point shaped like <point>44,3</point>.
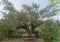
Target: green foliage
<point>55,1</point>
<point>38,32</point>
<point>3,30</point>
<point>30,19</point>
<point>48,31</point>
<point>21,31</point>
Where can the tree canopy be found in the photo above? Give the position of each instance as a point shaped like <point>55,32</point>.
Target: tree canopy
<point>29,17</point>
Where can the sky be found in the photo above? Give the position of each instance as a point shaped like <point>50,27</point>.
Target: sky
<point>18,4</point>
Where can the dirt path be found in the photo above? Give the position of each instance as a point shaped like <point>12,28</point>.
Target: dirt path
<point>13,40</point>
<point>21,40</point>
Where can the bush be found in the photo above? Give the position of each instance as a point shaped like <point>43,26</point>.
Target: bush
<point>15,33</point>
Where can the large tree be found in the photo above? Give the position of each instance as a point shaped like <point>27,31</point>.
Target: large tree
<point>29,17</point>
